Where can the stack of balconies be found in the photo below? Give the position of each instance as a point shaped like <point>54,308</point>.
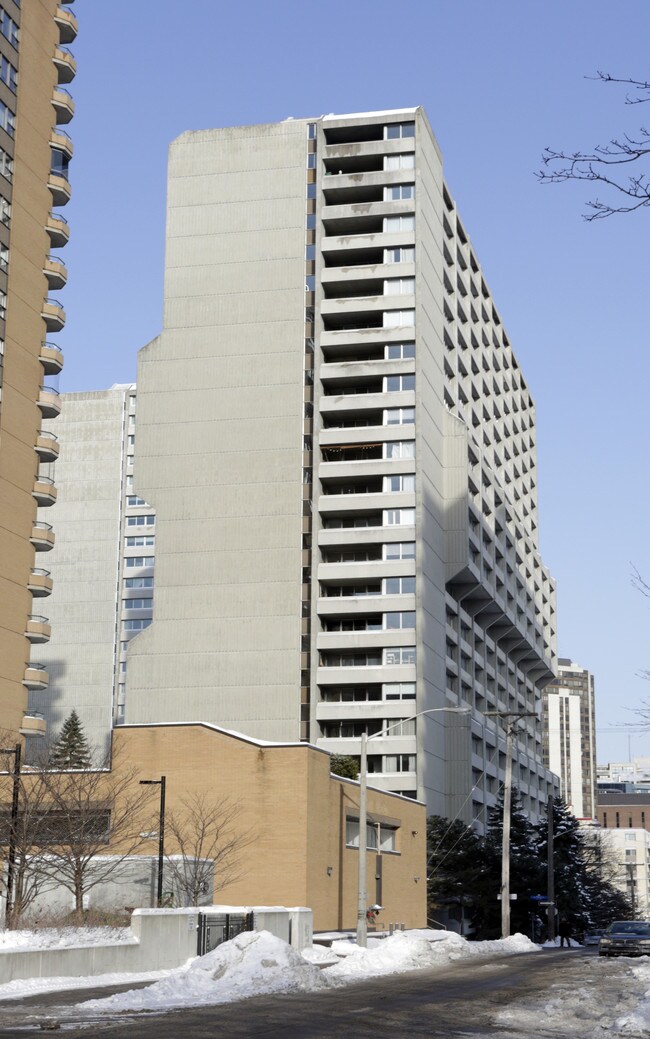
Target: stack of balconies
<point>366,506</point>
<point>51,357</point>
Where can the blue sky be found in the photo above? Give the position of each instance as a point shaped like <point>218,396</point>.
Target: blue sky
<point>499,81</point>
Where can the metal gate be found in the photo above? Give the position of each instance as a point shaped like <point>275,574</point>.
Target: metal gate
<point>216,928</point>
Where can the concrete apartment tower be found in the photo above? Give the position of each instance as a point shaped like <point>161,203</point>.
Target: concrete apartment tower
<point>102,564</point>
<point>569,727</point>
<point>340,448</point>
<point>34,156</point>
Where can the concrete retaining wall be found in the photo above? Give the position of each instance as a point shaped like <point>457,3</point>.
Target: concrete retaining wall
<point>161,939</point>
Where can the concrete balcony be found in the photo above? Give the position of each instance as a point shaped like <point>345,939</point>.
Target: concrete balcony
<point>67,25</point>
<point>61,141</point>
<point>58,230</point>
<point>43,536</point>
<point>65,65</point>
<point>53,315</point>
<point>51,358</point>
<point>56,272</point>
<point>38,629</point>
<point>33,725</point>
<point>40,583</point>
<point>47,446</point>
<point>59,189</point>
<point>36,677</point>
<point>63,104</point>
<point>49,402</point>
<point>44,491</point>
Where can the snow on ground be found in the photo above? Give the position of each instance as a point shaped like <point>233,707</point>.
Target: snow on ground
<point>64,937</point>
<point>24,987</point>
<point>257,963</point>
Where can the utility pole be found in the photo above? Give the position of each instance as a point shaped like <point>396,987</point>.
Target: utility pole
<point>510,727</point>
<point>13,831</point>
<point>550,872</point>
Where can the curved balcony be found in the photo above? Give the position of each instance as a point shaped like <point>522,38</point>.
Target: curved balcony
<point>47,446</point>
<point>66,24</point>
<point>44,491</point>
<point>53,315</point>
<point>49,402</point>
<point>61,141</point>
<point>63,104</point>
<point>33,725</point>
<point>36,677</point>
<point>58,230</point>
<point>37,629</point>
<point>65,65</point>
<point>39,583</point>
<point>59,188</point>
<point>56,272</point>
<point>42,536</point>
<point>51,358</point>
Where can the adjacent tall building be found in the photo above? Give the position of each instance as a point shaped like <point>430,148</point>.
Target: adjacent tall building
<point>102,563</point>
<point>339,444</point>
<point>35,65</point>
<point>570,736</point>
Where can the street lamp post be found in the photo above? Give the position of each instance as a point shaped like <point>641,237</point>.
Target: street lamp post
<point>13,829</point>
<point>362,894</point>
<point>162,782</point>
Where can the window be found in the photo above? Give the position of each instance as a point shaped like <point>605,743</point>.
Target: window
<point>138,582</point>
<point>4,257</point>
<point>140,521</point>
<point>7,117</point>
<point>398,621</point>
<point>311,161</point>
<point>310,252</point>
<point>139,561</point>
<point>137,624</point>
<point>398,318</point>
<point>397,383</point>
<point>8,28</point>
<point>399,162</point>
<point>399,286</point>
<point>399,449</point>
<point>5,211</point>
<point>401,728</point>
<point>379,836</point>
<point>311,131</point>
<point>400,483</point>
<point>8,73</point>
<point>3,304</point>
<point>399,517</point>
<point>396,192</point>
<point>137,604</point>
<point>392,763</point>
<point>399,586</point>
<point>6,164</point>
<point>131,440</point>
<point>141,541</point>
<point>399,351</point>
<point>399,655</point>
<point>351,658</point>
<point>399,223</point>
<point>399,550</point>
<point>395,130</point>
<point>399,691</point>
<point>400,254</point>
<point>133,499</point>
<point>399,417</point>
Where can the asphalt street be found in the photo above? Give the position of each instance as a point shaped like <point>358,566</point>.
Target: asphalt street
<point>460,1001</point>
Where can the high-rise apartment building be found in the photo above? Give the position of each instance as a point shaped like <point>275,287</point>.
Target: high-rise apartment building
<point>35,63</point>
<point>340,447</point>
<point>569,730</point>
<point>102,563</point>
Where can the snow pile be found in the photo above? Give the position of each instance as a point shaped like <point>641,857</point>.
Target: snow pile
<point>638,1021</point>
<point>64,937</point>
<point>23,987</point>
<point>252,964</point>
<point>512,946</point>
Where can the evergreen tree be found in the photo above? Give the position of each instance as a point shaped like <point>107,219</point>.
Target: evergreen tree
<point>344,765</point>
<point>70,749</point>
<point>572,890</point>
<point>454,854</point>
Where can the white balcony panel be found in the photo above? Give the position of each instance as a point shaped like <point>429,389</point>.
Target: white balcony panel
<point>367,570</point>
<point>366,675</point>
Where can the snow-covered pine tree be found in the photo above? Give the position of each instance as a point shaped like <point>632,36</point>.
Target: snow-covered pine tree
<point>70,749</point>
<point>572,890</point>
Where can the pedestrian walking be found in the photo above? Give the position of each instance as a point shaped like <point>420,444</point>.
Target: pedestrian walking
<point>564,931</point>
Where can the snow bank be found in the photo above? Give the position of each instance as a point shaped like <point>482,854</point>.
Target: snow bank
<point>637,1022</point>
<point>252,964</point>
<point>64,937</point>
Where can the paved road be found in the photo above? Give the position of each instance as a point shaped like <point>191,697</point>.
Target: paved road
<point>460,1001</point>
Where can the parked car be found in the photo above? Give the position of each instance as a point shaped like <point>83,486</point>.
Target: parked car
<point>626,938</point>
<point>592,937</point>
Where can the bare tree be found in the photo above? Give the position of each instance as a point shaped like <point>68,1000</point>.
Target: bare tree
<point>209,844</point>
<point>606,164</point>
<point>96,819</point>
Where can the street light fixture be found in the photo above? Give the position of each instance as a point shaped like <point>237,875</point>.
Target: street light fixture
<point>162,782</point>
<point>362,923</point>
<point>13,828</point>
